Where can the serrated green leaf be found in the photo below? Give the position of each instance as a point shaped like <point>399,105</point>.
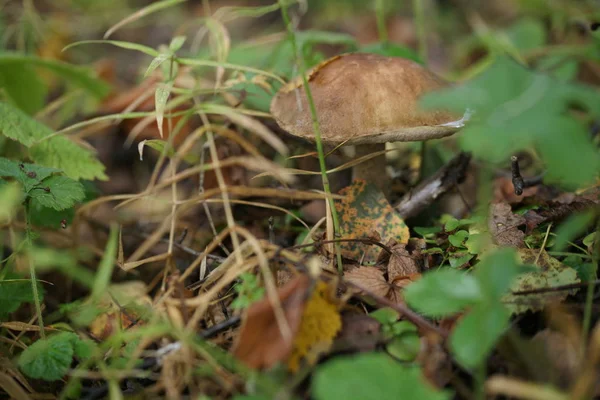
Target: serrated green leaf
<point>63,193</point>
<point>371,376</point>
<point>443,292</point>
<point>30,175</point>
<point>48,359</point>
<point>57,152</point>
<point>475,335</point>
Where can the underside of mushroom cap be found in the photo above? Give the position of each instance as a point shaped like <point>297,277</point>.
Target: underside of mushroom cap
<point>364,98</point>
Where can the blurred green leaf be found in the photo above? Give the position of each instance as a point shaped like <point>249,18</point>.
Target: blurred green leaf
<point>391,50</point>
<point>496,272</point>
<point>516,109</point>
<point>572,228</point>
<point>443,292</point>
<point>457,239</point>
<point>371,376</point>
<point>79,76</point>
<point>475,335</point>
<point>14,291</point>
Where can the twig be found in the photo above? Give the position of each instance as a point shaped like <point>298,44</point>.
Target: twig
<point>520,183</point>
<point>446,178</point>
<point>144,235</point>
<point>406,312</point>
<point>556,288</point>
<point>150,362</point>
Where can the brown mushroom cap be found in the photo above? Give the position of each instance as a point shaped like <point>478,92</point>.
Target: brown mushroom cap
<point>364,98</point>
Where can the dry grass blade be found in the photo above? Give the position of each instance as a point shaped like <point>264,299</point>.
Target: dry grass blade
<point>154,7</point>
<point>252,125</point>
<point>12,388</point>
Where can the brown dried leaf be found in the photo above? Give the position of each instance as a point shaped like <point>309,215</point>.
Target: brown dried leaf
<point>403,262</point>
<point>503,225</point>
<point>260,342</point>
<point>370,278</point>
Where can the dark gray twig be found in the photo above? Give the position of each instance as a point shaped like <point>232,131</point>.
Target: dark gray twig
<point>520,183</point>
<point>446,178</point>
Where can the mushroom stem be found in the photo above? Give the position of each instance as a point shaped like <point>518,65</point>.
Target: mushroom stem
<point>373,170</point>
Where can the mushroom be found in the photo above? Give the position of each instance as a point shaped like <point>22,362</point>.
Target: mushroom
<point>365,100</point>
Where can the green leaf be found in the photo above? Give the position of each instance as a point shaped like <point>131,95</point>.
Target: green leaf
<point>15,291</point>
<point>443,292</point>
<point>457,262</point>
<point>30,175</point>
<point>516,109</point>
<point>427,232</point>
<point>573,227</point>
<point>405,347</point>
<point>58,192</point>
<point>48,359</point>
<point>156,62</point>
<point>176,43</point>
<point>391,50</point>
<point>371,376</point>
<point>23,87</point>
<point>11,196</point>
<point>107,264</point>
<point>475,335</point>
<point>385,315</point>
<point>57,152</point>
<point>80,76</point>
<point>526,34</point>
<point>496,272</point>
<point>124,45</point>
<point>457,239</point>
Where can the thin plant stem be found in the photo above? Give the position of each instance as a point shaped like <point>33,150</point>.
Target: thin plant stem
<point>316,129</point>
<point>419,13</point>
<point>381,26</point>
<point>589,298</point>
<point>32,274</point>
<point>480,376</point>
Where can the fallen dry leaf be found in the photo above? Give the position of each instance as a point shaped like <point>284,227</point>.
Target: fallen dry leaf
<point>550,273</point>
<point>403,262</point>
<point>365,212</point>
<point>373,280</point>
<point>370,278</point>
<point>313,321</point>
<point>504,226</point>
<point>260,342</point>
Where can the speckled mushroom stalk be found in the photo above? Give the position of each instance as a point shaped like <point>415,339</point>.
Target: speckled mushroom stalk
<point>364,100</point>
